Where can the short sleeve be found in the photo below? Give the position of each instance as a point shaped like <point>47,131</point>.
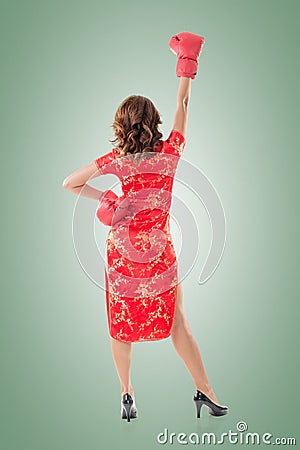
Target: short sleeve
<point>175,143</point>
<point>105,163</point>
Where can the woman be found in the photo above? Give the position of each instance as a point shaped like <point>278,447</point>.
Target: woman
<point>143,296</point>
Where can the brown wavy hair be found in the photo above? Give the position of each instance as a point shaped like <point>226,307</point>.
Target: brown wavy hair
<point>136,126</point>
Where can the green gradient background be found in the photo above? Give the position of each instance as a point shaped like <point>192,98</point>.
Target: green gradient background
<point>65,67</point>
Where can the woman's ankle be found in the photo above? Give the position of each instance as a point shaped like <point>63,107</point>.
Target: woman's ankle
<point>128,389</point>
<point>206,389</point>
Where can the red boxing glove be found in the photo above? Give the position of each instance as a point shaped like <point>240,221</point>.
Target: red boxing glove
<point>187,47</point>
<point>111,208</point>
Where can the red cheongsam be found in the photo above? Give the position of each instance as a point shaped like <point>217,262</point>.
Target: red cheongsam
<point>141,272</point>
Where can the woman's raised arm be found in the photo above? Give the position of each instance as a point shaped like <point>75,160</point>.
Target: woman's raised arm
<point>187,47</point>
<point>183,97</point>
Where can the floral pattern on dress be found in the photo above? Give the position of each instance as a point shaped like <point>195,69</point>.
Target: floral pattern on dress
<point>141,274</point>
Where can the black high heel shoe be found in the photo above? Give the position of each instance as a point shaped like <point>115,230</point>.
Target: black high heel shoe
<point>129,409</point>
<point>215,410</point>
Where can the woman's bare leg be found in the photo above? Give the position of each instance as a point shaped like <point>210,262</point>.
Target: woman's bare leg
<point>187,348</point>
<point>121,352</point>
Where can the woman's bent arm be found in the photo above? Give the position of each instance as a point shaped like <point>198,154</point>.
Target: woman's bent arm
<point>77,182</point>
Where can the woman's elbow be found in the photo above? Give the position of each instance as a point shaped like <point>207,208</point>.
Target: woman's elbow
<point>67,184</point>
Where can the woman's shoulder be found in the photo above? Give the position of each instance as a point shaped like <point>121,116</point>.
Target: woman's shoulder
<point>105,161</point>
<point>175,136</point>
<point>174,143</point>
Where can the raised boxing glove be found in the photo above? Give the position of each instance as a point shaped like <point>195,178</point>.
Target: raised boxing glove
<point>111,208</point>
<point>187,47</point>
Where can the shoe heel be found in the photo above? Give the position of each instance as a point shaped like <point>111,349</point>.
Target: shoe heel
<point>199,404</point>
<point>127,407</point>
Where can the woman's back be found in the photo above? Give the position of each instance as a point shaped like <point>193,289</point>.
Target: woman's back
<point>147,183</point>
<point>142,273</point>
